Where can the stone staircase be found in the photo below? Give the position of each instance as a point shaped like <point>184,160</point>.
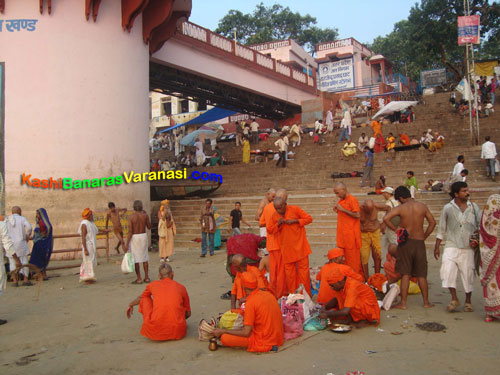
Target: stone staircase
<point>308,177</point>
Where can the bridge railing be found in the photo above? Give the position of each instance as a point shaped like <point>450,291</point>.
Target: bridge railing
<point>238,50</point>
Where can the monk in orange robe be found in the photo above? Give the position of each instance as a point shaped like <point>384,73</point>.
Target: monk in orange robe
<point>277,281</point>
<point>238,292</point>
<point>288,223</point>
<point>262,323</point>
<point>377,128</point>
<point>348,226</point>
<point>335,261</point>
<point>165,319</point>
<point>358,300</point>
<point>404,139</point>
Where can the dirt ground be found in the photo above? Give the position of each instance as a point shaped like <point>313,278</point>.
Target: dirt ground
<point>80,329</point>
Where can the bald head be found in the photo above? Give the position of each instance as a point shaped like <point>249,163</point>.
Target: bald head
<point>238,262</point>
<point>282,193</point>
<point>280,205</point>
<point>16,210</point>
<point>368,205</point>
<point>165,270</point>
<point>270,194</point>
<point>340,190</point>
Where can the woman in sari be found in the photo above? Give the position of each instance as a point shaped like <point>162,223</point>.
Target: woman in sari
<point>379,143</point>
<point>220,222</point>
<point>166,231</point>
<point>490,257</point>
<point>246,150</point>
<point>43,242</point>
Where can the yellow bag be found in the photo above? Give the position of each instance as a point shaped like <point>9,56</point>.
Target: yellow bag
<point>231,320</point>
<point>413,288</point>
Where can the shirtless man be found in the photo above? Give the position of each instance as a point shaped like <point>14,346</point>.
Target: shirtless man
<point>137,239</point>
<point>370,235</point>
<point>114,214</point>
<point>270,195</point>
<point>411,256</point>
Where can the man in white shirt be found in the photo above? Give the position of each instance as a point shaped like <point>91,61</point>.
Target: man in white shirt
<point>254,126</point>
<point>459,167</point>
<point>362,142</point>
<point>19,230</point>
<point>7,245</point>
<point>459,220</point>
<point>489,154</point>
<point>343,130</point>
<point>282,150</point>
<point>318,126</point>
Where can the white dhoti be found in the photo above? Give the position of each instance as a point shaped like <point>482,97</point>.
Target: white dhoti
<point>457,260</point>
<point>24,260</point>
<point>139,247</point>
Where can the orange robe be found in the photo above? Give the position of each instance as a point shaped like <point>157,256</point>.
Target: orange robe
<point>349,233</point>
<point>238,285</point>
<point>294,246</point>
<point>277,281</point>
<point>263,314</point>
<point>377,128</point>
<point>361,299</point>
<point>165,318</point>
<point>326,293</point>
<point>404,139</point>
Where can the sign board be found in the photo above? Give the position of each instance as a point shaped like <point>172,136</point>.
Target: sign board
<point>468,30</point>
<point>433,77</point>
<point>336,75</point>
<point>497,71</point>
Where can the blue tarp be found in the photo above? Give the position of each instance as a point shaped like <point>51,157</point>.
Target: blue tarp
<point>213,114</point>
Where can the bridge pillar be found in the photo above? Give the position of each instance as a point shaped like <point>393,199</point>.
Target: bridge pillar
<point>76,106</point>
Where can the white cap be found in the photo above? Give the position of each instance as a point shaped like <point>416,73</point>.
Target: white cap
<point>388,189</point>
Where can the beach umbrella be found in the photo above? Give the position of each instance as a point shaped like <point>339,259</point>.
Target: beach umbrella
<point>189,139</point>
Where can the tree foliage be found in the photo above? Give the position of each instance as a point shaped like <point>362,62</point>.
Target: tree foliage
<point>267,24</point>
<point>428,38</point>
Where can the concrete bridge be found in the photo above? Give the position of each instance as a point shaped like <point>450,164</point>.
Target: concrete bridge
<point>200,64</point>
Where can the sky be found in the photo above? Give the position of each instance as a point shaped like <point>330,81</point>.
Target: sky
<point>363,20</point>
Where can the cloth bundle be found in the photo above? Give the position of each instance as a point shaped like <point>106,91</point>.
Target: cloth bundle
<point>230,320</point>
<point>206,330</point>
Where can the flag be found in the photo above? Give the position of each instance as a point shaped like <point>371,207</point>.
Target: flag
<point>464,89</point>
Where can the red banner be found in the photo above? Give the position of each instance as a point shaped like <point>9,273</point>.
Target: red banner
<point>468,30</point>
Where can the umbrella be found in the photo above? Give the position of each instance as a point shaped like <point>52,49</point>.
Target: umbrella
<point>394,107</point>
<point>191,137</point>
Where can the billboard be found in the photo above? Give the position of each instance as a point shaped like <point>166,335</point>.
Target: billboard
<point>468,30</point>
<point>336,75</point>
<point>432,77</point>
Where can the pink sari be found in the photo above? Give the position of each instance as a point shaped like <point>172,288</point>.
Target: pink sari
<point>490,255</point>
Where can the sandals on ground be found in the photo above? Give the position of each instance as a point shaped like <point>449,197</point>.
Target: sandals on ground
<point>452,306</point>
<point>468,307</point>
<point>489,319</point>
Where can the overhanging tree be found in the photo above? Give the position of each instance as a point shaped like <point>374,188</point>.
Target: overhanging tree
<point>428,38</point>
<point>267,24</point>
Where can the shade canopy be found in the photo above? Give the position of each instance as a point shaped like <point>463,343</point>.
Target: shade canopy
<point>211,115</point>
<point>394,107</point>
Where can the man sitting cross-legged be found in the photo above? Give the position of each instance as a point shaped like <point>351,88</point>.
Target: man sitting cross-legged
<point>164,306</point>
<point>263,323</point>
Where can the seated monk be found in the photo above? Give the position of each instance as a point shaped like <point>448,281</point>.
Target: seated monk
<point>335,261</point>
<point>238,292</point>
<point>263,323</point>
<point>358,300</point>
<point>404,139</point>
<point>165,319</point>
